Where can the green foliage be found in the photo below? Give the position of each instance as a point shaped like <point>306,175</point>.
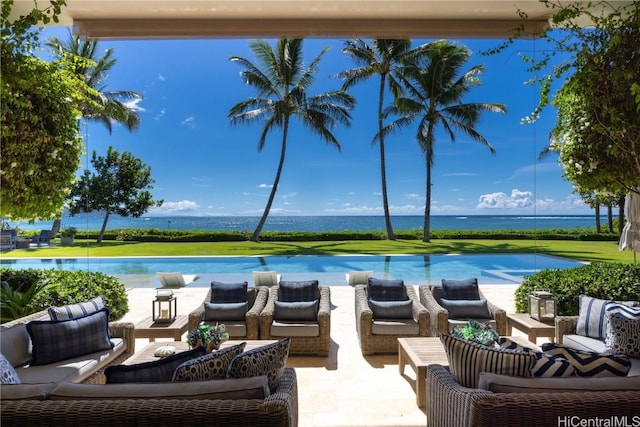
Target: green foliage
<point>66,287</point>
<point>120,185</point>
<point>614,281</point>
<point>15,303</point>
<point>41,147</point>
<point>477,332</point>
<point>69,232</point>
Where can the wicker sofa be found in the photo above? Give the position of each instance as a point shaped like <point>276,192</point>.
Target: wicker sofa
<point>16,344</point>
<point>450,404</point>
<point>279,408</point>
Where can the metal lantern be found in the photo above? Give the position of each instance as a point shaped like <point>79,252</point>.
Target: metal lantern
<point>164,307</point>
<point>542,306</point>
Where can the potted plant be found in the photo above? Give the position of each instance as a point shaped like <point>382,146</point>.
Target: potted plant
<point>67,235</point>
<point>208,336</point>
<point>477,332</point>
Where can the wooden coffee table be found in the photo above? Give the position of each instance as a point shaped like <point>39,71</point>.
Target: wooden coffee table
<point>533,328</point>
<point>148,329</point>
<point>148,351</point>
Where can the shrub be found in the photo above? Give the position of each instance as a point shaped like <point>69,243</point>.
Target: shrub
<point>614,281</point>
<point>68,287</point>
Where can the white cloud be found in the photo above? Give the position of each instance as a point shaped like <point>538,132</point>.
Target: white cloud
<point>349,209</point>
<point>286,196</point>
<point>160,114</point>
<point>189,122</point>
<point>535,169</point>
<point>517,199</point>
<point>265,186</point>
<point>182,206</point>
<point>412,196</point>
<point>161,77</point>
<point>133,104</point>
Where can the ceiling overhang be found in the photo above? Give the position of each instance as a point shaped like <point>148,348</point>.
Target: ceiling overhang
<point>297,18</point>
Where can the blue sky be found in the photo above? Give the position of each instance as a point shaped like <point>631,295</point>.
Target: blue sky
<point>204,166</point>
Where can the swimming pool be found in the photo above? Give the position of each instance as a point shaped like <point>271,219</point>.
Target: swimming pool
<point>140,272</point>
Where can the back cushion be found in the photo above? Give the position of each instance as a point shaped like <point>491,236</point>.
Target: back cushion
<point>81,309</point>
<point>386,289</point>
<point>592,315</point>
<point>15,344</point>
<point>298,291</point>
<point>460,289</point>
<point>228,292</point>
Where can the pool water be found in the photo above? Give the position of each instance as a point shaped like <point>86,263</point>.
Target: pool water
<point>329,270</point>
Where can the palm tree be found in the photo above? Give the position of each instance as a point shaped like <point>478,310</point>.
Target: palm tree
<point>106,106</point>
<point>109,106</point>
<point>282,83</point>
<point>435,91</point>
<point>381,58</point>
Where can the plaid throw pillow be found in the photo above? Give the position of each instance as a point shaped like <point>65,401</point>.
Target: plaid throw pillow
<point>460,289</point>
<point>63,339</point>
<point>386,289</point>
<point>73,311</point>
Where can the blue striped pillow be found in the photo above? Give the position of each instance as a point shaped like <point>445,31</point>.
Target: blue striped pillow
<point>73,311</point>
<point>591,364</point>
<point>468,359</point>
<point>592,316</point>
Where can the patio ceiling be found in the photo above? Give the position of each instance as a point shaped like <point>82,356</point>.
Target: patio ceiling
<point>297,18</point>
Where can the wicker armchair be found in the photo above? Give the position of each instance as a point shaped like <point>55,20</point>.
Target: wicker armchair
<point>371,342</point>
<point>301,343</point>
<point>439,316</point>
<point>249,328</point>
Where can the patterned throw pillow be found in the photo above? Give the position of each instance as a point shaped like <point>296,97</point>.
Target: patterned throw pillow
<point>228,292</point>
<point>386,289</point>
<point>591,364</point>
<point>592,316</point>
<point>623,335</point>
<point>73,311</point>
<point>211,366</point>
<point>8,374</point>
<point>150,372</point>
<point>268,360</point>
<point>623,310</point>
<point>468,359</point>
<point>298,291</point>
<point>460,289</point>
<point>63,339</point>
<point>466,308</point>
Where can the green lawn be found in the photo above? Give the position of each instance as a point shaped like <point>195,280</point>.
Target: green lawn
<point>579,250</point>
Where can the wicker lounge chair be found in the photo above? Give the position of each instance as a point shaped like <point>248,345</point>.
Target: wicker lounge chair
<point>441,323</point>
<point>307,337</point>
<point>381,336</point>
<point>249,328</point>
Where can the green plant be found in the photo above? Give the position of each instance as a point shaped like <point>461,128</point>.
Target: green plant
<point>615,281</point>
<point>15,303</point>
<point>69,232</point>
<point>476,332</point>
<point>205,334</point>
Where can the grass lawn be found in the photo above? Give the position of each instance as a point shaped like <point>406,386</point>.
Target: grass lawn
<point>579,250</point>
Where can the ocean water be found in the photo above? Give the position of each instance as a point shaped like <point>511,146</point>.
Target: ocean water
<point>325,223</point>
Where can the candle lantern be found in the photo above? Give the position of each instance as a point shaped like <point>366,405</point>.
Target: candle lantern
<point>542,306</point>
<point>164,307</point>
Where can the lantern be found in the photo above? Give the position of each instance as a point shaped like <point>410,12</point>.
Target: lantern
<point>164,307</point>
<point>542,306</point>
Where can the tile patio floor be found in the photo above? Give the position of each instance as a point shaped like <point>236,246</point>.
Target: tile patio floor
<point>345,388</point>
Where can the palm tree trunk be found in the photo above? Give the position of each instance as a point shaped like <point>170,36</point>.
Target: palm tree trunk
<point>55,228</point>
<point>610,217</point>
<point>598,225</point>
<point>104,226</point>
<point>256,234</point>
<point>383,167</point>
<point>427,205</point>
<point>621,219</point>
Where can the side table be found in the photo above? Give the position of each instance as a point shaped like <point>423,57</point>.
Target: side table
<point>533,328</point>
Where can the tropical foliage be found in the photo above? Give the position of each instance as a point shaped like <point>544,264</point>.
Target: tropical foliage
<point>435,89</point>
<point>383,57</point>
<point>119,185</point>
<point>41,146</point>
<point>282,82</point>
